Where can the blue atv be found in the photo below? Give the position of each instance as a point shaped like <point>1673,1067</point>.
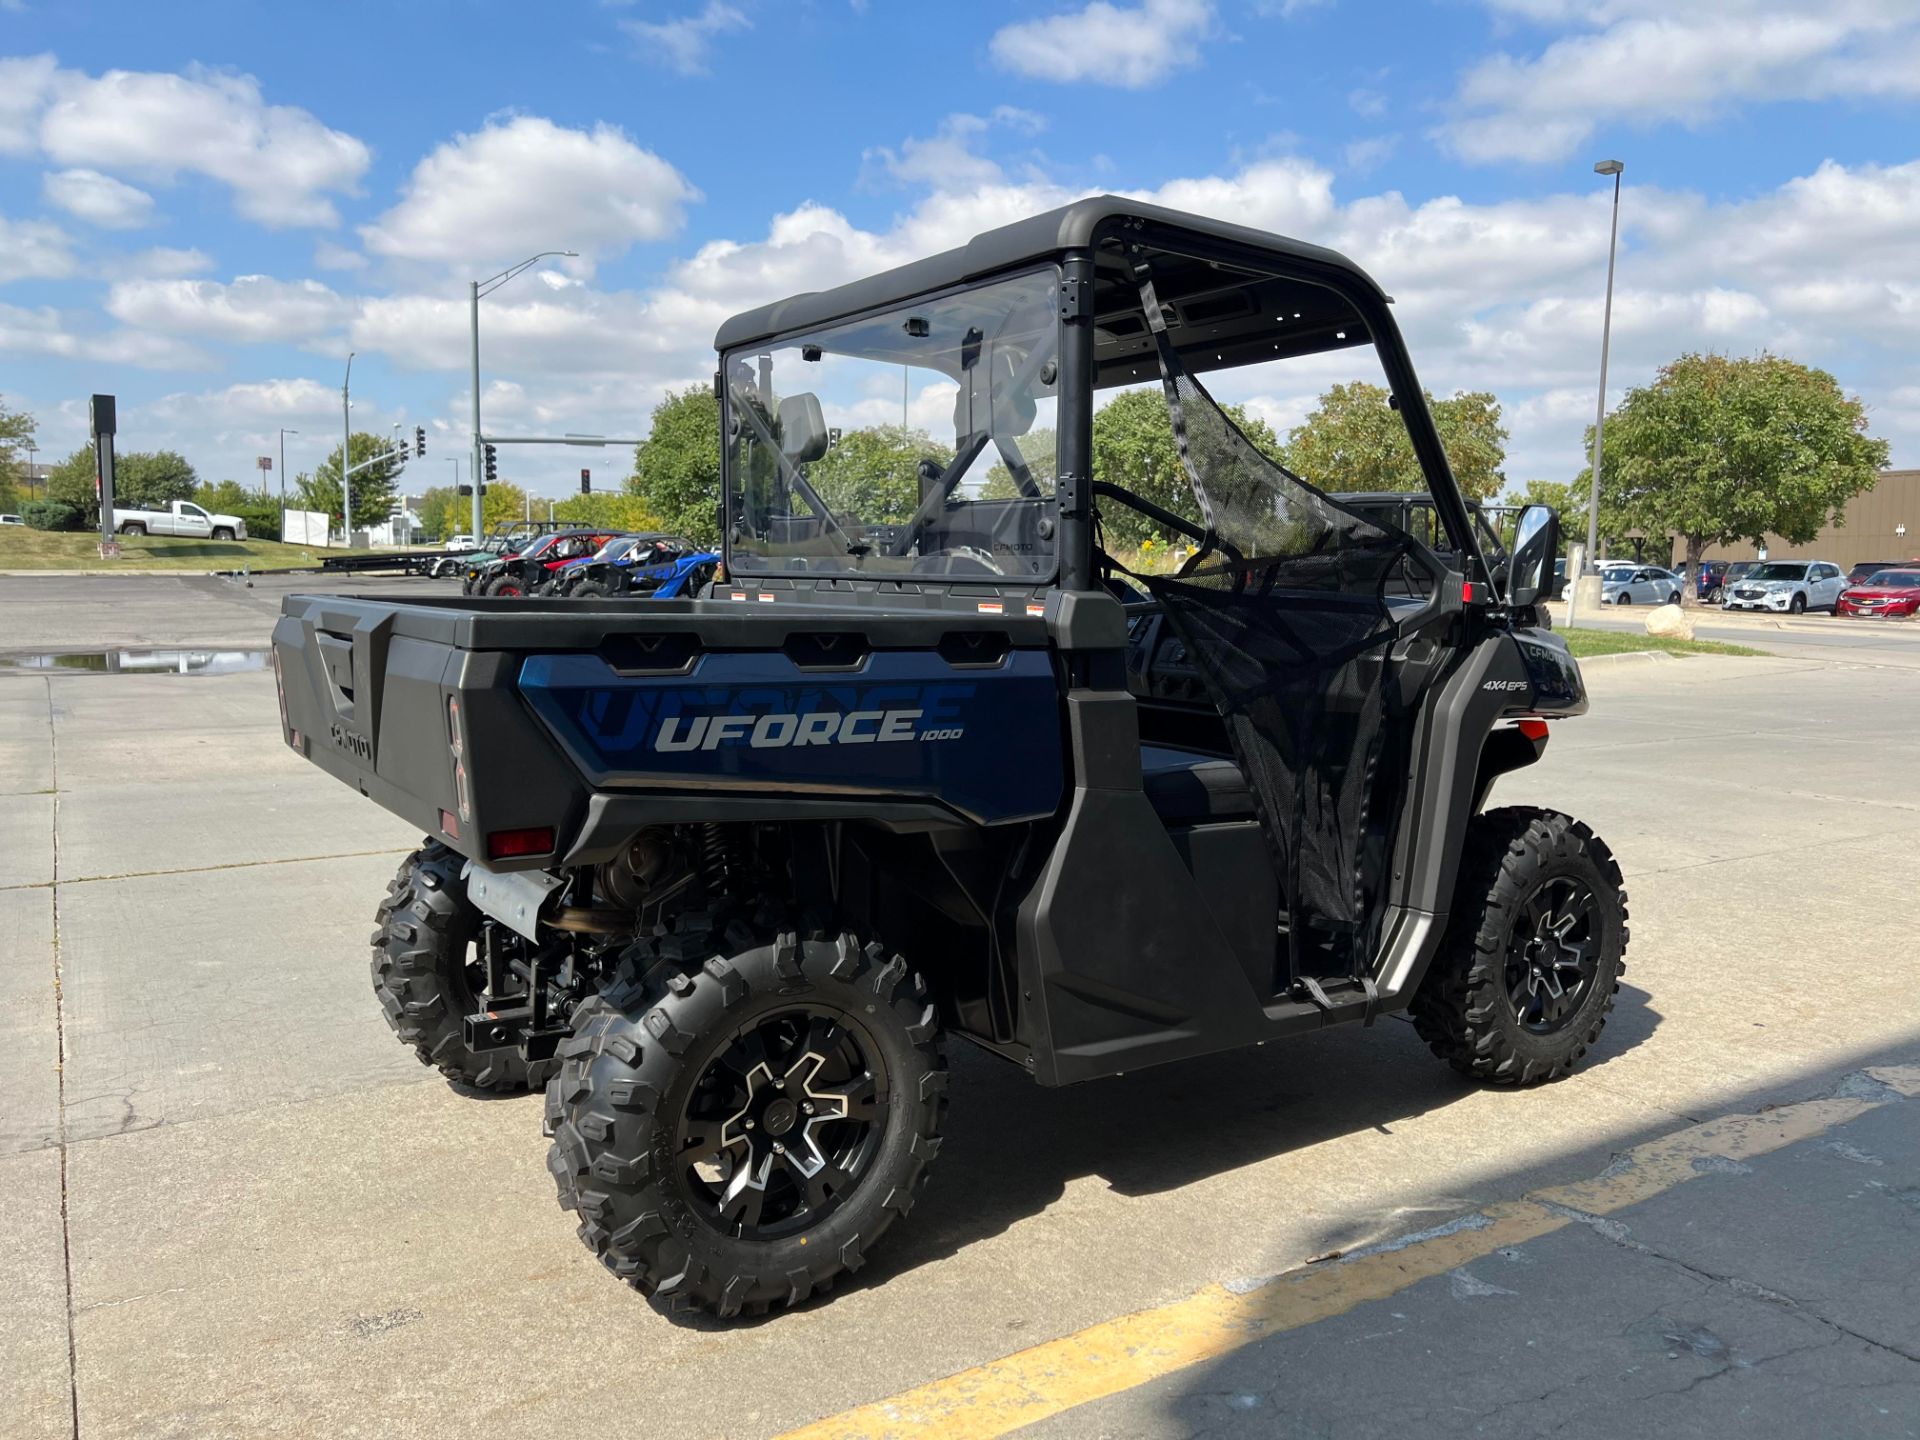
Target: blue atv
<point>1097,770</point>
<point>656,567</point>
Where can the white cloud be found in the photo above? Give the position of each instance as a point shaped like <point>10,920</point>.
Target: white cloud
<point>683,43</point>
<point>947,159</point>
<point>526,184</point>
<point>164,262</point>
<point>44,330</point>
<point>25,83</point>
<point>279,161</point>
<point>329,256</point>
<point>1369,103</point>
<point>1132,46</point>
<point>254,308</point>
<point>34,250</point>
<point>98,199</point>
<point>1642,62</point>
<point>253,403</point>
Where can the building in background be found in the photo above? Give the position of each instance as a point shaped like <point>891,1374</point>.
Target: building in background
<point>1883,524</point>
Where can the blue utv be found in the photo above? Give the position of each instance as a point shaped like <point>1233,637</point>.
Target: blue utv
<point>949,749</point>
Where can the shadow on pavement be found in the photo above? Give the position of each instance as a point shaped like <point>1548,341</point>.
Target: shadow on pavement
<point>1012,1146</point>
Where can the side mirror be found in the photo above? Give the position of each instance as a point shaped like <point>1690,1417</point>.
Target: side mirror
<point>1536,545</point>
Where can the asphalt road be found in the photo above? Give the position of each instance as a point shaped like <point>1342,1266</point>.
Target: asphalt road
<point>239,1208</point>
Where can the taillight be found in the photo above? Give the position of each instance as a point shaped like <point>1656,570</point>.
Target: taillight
<point>457,743</point>
<point>1533,729</point>
<point>507,844</point>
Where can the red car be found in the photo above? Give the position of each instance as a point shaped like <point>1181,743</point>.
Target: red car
<point>1891,593</point>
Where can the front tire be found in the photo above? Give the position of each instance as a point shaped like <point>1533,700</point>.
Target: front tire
<point>1532,958</point>
<point>1797,605</point>
<point>428,976</point>
<point>736,1134</point>
<point>223,533</point>
<point>508,586</point>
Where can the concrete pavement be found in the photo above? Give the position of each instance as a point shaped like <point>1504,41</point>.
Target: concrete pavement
<point>242,1209</point>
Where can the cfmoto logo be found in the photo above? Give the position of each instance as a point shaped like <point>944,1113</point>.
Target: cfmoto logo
<point>356,745</point>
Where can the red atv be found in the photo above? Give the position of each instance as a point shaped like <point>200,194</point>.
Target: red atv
<point>527,572</point>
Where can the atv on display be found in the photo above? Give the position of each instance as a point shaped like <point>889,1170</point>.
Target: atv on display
<point>520,573</point>
<point>657,567</point>
<point>724,874</point>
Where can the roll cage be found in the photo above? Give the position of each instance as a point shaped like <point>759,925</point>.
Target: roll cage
<point>1228,296</point>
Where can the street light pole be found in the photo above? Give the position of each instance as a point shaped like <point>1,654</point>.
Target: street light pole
<point>475,289</point>
<point>284,432</point>
<point>1613,168</point>
<point>346,450</point>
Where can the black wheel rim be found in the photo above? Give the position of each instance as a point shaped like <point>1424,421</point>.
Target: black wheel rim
<point>1554,955</point>
<point>782,1124</point>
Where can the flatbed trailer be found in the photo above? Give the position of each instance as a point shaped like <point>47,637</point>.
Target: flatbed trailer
<point>398,562</point>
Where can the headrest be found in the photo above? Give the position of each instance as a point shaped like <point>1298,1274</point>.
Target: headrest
<point>803,429</point>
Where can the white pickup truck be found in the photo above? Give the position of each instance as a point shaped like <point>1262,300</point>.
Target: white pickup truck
<point>182,517</point>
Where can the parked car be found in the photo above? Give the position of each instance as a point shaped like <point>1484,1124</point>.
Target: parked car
<point>12,520</point>
<point>1709,581</point>
<point>459,544</point>
<point>1639,585</point>
<point>1867,569</point>
<point>1893,593</point>
<point>1792,586</point>
<point>181,518</point>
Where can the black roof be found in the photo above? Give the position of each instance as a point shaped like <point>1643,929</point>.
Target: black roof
<point>1024,242</point>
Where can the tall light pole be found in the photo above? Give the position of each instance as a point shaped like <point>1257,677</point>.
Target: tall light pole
<point>32,450</point>
<point>1613,168</point>
<point>284,432</point>
<point>475,289</point>
<point>346,450</point>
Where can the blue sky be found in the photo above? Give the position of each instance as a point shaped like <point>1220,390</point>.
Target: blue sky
<point>204,206</point>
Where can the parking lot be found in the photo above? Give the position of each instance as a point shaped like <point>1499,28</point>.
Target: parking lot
<point>240,1208</point>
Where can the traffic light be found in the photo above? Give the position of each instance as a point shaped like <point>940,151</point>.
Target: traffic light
<point>492,474</point>
<point>586,481</point>
<point>419,441</point>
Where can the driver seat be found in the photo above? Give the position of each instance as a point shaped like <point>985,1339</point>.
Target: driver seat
<point>1187,788</point>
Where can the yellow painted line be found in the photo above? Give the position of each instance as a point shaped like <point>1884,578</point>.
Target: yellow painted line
<point>1001,1396</point>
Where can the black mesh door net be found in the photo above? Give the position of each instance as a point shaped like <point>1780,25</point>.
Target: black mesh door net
<point>1283,609</point>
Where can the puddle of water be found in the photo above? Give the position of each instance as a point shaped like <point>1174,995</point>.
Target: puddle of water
<point>139,662</point>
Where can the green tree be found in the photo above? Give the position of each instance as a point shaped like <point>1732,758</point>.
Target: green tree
<point>608,512</point>
<point>873,474</point>
<point>443,511</point>
<point>677,467</point>
<point>1038,448</point>
<point>229,497</point>
<point>140,477</point>
<point>503,502</point>
<point>373,487</point>
<point>1717,450</point>
<point>1355,441</point>
<point>1133,446</point>
<point>16,428</point>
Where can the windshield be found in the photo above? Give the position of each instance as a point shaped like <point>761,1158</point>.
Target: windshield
<point>1778,572</point>
<point>914,441</point>
<point>1617,573</point>
<point>1896,579</point>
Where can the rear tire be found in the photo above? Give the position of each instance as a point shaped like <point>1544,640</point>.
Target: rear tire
<point>653,1114</point>
<point>1532,958</point>
<point>590,590</point>
<point>424,971</point>
<point>133,527</point>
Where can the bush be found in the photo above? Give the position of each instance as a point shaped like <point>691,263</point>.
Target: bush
<point>262,517</point>
<point>52,515</point>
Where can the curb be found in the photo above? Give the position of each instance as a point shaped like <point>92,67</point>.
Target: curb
<point>1623,655</point>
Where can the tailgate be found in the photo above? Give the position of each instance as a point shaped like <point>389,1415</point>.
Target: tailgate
<point>369,706</point>
<point>366,685</point>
